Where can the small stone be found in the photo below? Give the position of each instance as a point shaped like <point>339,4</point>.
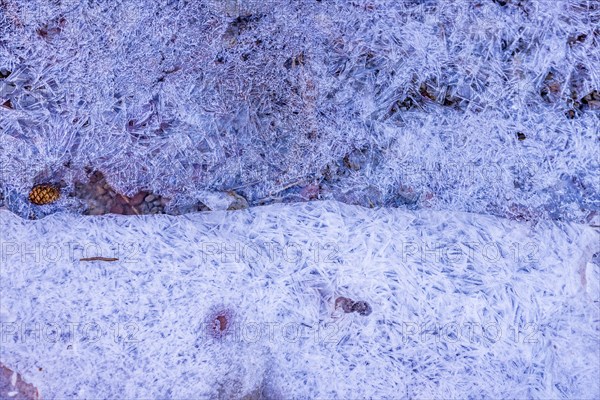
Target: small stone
<point>311,191</point>
<point>13,386</point>
<point>117,208</point>
<point>95,211</point>
<point>362,307</point>
<point>150,198</point>
<point>344,303</point>
<point>100,191</point>
<point>594,104</point>
<point>137,199</point>
<point>353,161</point>
<point>128,210</point>
<point>120,199</point>
<point>96,177</point>
<point>222,323</point>
<point>238,204</point>
<point>219,323</point>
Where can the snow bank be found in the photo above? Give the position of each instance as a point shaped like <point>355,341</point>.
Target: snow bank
<point>464,306</point>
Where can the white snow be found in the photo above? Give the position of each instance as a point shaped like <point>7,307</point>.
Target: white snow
<point>464,305</point>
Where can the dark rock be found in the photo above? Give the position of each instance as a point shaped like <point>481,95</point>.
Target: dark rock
<point>362,307</point>
<point>117,209</point>
<point>138,198</point>
<point>344,303</point>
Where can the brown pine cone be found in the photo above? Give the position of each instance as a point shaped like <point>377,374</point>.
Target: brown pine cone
<point>44,194</point>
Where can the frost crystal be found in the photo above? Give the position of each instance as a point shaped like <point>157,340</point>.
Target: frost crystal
<point>381,102</point>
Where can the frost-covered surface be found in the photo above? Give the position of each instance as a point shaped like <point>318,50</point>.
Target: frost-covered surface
<point>464,306</point>
<point>382,102</point>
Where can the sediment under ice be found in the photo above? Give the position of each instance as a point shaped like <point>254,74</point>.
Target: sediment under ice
<point>464,306</point>
<point>384,102</point>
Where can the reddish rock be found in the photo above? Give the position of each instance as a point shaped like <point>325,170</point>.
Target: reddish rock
<point>344,303</point>
<point>219,322</point>
<point>21,390</point>
<point>138,198</point>
<point>122,200</point>
<point>310,192</point>
<point>222,321</point>
<point>128,210</point>
<point>117,209</point>
<point>96,177</point>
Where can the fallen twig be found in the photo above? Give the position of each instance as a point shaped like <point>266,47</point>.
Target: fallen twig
<point>99,259</point>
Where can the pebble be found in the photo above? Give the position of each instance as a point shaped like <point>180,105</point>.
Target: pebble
<point>362,307</point>
<point>137,199</point>
<point>96,177</point>
<point>594,104</point>
<point>238,203</point>
<point>310,192</point>
<point>95,211</point>
<point>344,303</point>
<point>130,211</point>
<point>150,198</point>
<point>122,200</point>
<point>117,208</point>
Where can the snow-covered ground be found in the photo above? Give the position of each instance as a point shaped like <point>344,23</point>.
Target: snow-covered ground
<point>463,305</point>
<point>488,106</point>
<point>449,114</point>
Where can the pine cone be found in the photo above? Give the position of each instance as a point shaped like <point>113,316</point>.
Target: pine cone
<point>44,194</point>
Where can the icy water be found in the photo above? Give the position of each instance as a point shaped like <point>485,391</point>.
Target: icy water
<point>489,107</point>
